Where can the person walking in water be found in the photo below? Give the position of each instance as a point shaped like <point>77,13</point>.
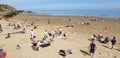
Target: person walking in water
<point>113,41</point>
<point>92,48</point>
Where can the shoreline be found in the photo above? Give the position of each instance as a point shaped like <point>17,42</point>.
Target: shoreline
<point>65,15</point>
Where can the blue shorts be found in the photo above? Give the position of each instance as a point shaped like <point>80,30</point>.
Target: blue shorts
<point>92,50</point>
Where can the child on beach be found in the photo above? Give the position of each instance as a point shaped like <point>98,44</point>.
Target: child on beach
<point>113,41</point>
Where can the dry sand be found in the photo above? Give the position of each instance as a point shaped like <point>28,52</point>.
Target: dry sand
<point>77,37</point>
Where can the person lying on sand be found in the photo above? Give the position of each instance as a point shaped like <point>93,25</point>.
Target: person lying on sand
<point>70,26</point>
<point>62,52</point>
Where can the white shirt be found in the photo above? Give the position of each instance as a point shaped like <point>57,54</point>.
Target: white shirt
<point>32,33</point>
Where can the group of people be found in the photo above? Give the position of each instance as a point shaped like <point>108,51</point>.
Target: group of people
<point>59,33</point>
<point>100,38</point>
<point>48,37</point>
<point>17,26</point>
<point>92,46</point>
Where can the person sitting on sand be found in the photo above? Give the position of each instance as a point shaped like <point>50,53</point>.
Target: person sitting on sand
<point>60,31</point>
<point>34,27</point>
<point>65,35</point>
<point>2,53</point>
<point>102,40</point>
<point>55,32</point>
<point>94,37</point>
<point>18,26</point>
<point>93,19</point>
<point>18,47</point>
<point>23,29</point>
<point>9,24</point>
<point>14,27</point>
<point>8,36</point>
<point>92,48</point>
<point>100,36</point>
<point>49,33</point>
<point>113,41</point>
<point>105,40</point>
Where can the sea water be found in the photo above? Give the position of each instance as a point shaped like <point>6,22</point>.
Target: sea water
<point>111,13</point>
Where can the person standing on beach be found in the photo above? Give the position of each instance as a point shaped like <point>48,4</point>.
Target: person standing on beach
<point>34,42</point>
<point>92,48</point>
<point>45,34</point>
<point>48,21</point>
<point>113,41</point>
<point>0,28</point>
<point>32,33</point>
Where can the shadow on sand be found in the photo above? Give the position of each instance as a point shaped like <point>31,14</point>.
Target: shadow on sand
<point>106,46</point>
<point>84,52</point>
<point>118,50</point>
<point>111,48</point>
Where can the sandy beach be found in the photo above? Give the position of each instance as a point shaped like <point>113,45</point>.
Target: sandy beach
<point>77,37</point>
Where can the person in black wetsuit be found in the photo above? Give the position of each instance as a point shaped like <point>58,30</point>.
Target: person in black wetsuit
<point>113,41</point>
<point>92,48</point>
